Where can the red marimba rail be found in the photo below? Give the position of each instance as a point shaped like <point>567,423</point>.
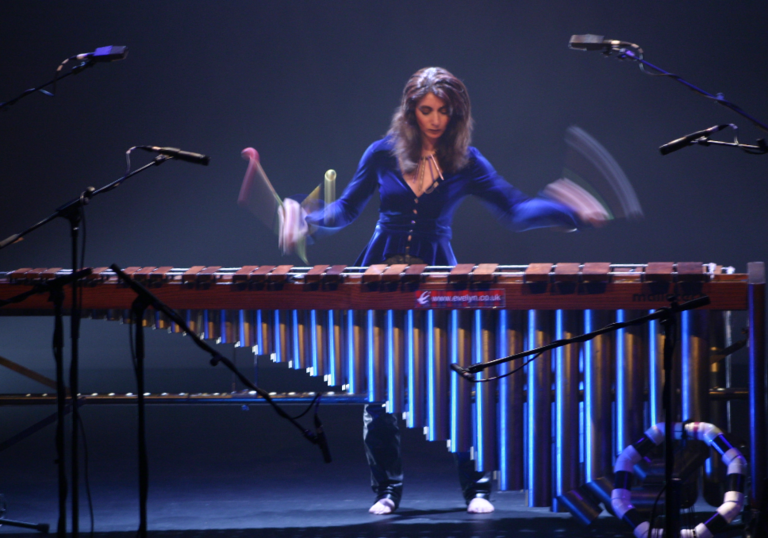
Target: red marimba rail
<point>565,286</point>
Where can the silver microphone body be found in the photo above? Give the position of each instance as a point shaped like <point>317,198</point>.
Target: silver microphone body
<point>686,140</point>
<point>176,153</point>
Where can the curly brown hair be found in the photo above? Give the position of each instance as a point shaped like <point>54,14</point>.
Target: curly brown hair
<point>452,146</point>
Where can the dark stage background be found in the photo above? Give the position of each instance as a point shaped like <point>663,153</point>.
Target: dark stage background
<point>311,84</point>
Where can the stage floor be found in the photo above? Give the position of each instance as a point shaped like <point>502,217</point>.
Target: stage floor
<point>228,470</point>
<point>221,470</point>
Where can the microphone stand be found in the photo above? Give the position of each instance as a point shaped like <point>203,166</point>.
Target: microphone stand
<point>144,299</point>
<point>626,53</point>
<point>668,319</point>
<point>674,485</point>
<point>73,212</point>
<point>74,71</point>
<point>631,51</point>
<point>56,288</point>
<point>40,527</point>
<point>760,149</point>
<point>140,304</point>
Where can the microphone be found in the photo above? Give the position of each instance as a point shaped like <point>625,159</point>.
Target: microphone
<point>321,440</point>
<point>594,42</point>
<point>176,153</point>
<point>463,372</point>
<point>110,53</point>
<point>687,140</point>
<point>693,304</point>
<point>10,240</point>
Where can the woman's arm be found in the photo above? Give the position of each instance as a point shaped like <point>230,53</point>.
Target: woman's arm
<point>516,210</point>
<point>324,220</point>
<point>302,223</point>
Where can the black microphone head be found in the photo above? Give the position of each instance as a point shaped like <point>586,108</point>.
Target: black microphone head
<point>587,42</point>
<point>458,369</point>
<point>698,302</point>
<point>463,372</point>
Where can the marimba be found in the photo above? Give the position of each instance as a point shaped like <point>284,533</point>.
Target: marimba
<point>390,332</point>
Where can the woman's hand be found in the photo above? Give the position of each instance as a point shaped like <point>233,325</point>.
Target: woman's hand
<point>293,225</point>
<point>586,206</point>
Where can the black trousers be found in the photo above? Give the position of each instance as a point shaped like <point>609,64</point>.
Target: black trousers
<point>381,435</point>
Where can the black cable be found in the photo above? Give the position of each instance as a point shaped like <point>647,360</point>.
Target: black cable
<point>128,160</point>
<point>83,230</point>
<point>653,510</point>
<point>719,98</point>
<point>315,399</point>
<point>85,469</point>
<point>533,358</point>
<point>130,339</point>
<point>234,361</point>
<point>56,76</point>
<point>690,514</point>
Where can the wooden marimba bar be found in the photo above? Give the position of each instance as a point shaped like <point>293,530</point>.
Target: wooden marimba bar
<point>390,333</point>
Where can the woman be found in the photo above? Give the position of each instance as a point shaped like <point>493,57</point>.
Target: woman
<point>423,169</point>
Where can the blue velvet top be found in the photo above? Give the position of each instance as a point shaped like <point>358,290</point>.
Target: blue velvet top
<point>421,226</point>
